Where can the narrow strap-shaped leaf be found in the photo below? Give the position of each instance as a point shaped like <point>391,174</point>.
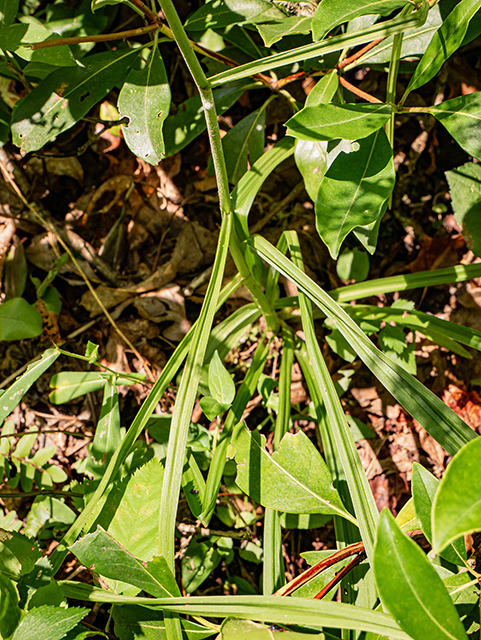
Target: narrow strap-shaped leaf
<point>15,392</point>
<point>314,614</point>
<point>439,420</point>
<point>344,446</point>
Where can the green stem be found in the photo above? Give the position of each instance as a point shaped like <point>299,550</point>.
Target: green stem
<point>208,103</point>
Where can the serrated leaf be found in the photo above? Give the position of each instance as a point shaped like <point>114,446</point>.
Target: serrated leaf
<point>354,190</point>
<point>48,622</point>
<point>103,554</point>
<point>295,479</point>
<point>332,121</point>
<point>457,504</point>
<point>331,13</point>
<point>19,320</point>
<point>392,338</point>
<point>446,40</point>
<point>12,396</point>
<point>61,99</point>
<point>131,511</point>
<point>410,588</point>
<point>221,385</point>
<point>424,486</point>
<point>465,190</point>
<point>145,100</point>
<point>462,118</point>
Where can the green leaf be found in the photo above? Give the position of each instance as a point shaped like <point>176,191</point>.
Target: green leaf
<point>92,352</point>
<point>462,118</point>
<point>48,622</point>
<point>10,612</point>
<point>68,385</point>
<point>410,588</point>
<point>131,510</point>
<point>221,13</point>
<point>457,504</point>
<point>246,629</point>
<point>201,558</point>
<point>104,555</point>
<point>446,40</point>
<point>18,554</point>
<point>107,433</point>
<point>273,31</point>
<point>331,13</point>
<point>212,408</point>
<point>145,100</point>
<point>332,121</point>
<point>8,11</point>
<point>12,396</point>
<point>424,486</point>
<point>353,264</point>
<point>465,189</point>
<point>295,479</point>
<point>14,37</point>
<point>189,122</point>
<point>141,623</point>
<point>440,421</point>
<point>354,190</point>
<point>221,385</point>
<point>19,320</point>
<point>62,98</point>
<point>284,611</point>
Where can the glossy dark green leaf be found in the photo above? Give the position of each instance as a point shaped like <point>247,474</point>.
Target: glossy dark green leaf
<point>221,13</point>
<point>294,479</point>
<point>457,504</point>
<point>14,37</point>
<point>331,13</point>
<point>145,100</point>
<point>462,118</point>
<point>354,190</point>
<point>62,98</point>
<point>10,612</point>
<point>48,622</point>
<point>273,31</point>
<point>465,190</point>
<point>446,40</point>
<point>424,486</point>
<point>332,121</point>
<point>189,121</point>
<point>141,623</point>
<point>104,555</point>
<point>410,588</point>
<point>19,320</point>
<point>8,11</point>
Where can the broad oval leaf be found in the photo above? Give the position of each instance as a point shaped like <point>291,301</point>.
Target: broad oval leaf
<point>332,121</point>
<point>354,190</point>
<point>61,99</point>
<point>221,13</point>
<point>145,100</point>
<point>457,504</point>
<point>311,160</point>
<point>410,588</point>
<point>104,555</point>
<point>19,320</point>
<point>465,190</point>
<point>295,479</point>
<point>446,40</point>
<point>221,385</point>
<point>424,487</point>
<point>462,118</point>
<point>331,13</point>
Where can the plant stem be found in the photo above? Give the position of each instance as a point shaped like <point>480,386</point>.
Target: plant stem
<point>207,97</point>
<point>102,37</point>
<point>358,92</point>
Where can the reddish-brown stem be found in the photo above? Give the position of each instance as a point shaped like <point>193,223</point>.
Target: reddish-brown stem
<point>358,54</point>
<point>103,37</point>
<point>340,575</point>
<point>149,14</point>
<point>358,92</point>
